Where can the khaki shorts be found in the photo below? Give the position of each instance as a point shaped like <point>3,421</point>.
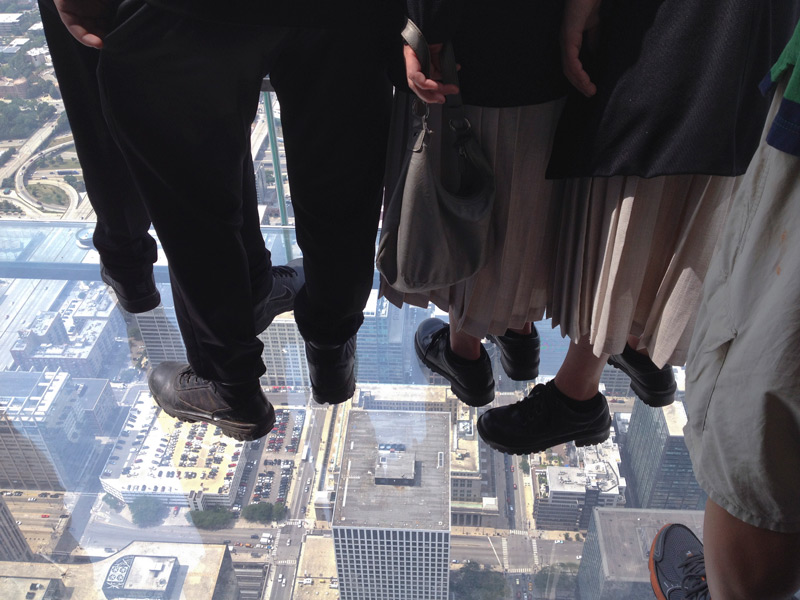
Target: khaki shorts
<point>743,368</point>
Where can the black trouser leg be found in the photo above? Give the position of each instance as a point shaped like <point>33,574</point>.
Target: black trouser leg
<point>121,234</point>
<point>180,96</point>
<point>335,105</point>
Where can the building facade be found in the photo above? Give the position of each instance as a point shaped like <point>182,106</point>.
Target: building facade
<point>657,464</point>
<point>391,520</point>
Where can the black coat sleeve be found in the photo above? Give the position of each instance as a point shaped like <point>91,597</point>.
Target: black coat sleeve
<point>438,19</point>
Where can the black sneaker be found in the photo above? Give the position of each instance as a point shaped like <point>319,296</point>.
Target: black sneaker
<point>471,380</point>
<point>286,283</point>
<point>136,296</point>
<point>519,354</point>
<point>655,387</point>
<point>332,370</point>
<point>541,420</point>
<point>183,395</point>
<point>677,565</point>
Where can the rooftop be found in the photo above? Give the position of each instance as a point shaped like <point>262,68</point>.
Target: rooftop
<point>423,505</point>
<point>625,536</point>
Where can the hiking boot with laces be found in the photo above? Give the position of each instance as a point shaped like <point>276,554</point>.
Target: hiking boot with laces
<point>241,412</point>
<point>519,354</point>
<point>286,283</point>
<point>653,386</point>
<point>542,420</point>
<point>471,380</point>
<point>677,565</point>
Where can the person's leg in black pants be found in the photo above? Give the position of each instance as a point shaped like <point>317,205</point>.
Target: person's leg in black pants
<point>181,108</point>
<point>335,133</point>
<point>126,249</point>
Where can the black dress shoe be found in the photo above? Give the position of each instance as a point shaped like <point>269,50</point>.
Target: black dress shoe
<point>332,370</point>
<point>136,295</point>
<point>655,387</point>
<point>183,395</point>
<point>286,283</point>
<point>519,354</point>
<point>542,420</point>
<point>471,380</point>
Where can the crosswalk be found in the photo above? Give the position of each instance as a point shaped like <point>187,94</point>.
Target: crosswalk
<point>520,570</point>
<point>535,552</point>
<point>504,545</point>
<point>287,561</point>
<point>518,532</point>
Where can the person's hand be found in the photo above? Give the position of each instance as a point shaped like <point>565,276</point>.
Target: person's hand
<point>579,16</point>
<point>427,89</point>
<point>87,20</point>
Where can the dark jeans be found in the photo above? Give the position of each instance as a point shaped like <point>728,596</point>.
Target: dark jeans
<point>120,236</point>
<point>180,95</point>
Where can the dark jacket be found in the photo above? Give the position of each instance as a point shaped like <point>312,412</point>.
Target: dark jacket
<point>677,88</point>
<point>508,49</point>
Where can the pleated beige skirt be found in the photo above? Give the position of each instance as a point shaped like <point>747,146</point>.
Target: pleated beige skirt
<point>516,284</point>
<point>632,257</point>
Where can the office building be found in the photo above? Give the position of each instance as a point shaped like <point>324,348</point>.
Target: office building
<point>284,354</point>
<point>391,520</point>
<point>157,570</point>
<point>657,464</point>
<point>566,495</point>
<point>13,545</point>
<point>159,331</point>
<point>77,338</point>
<point>381,343</point>
<point>614,564</point>
<point>46,431</point>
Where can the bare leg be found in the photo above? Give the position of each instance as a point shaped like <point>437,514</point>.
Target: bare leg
<point>464,345</point>
<point>525,330</point>
<point>745,562</point>
<point>579,375</point>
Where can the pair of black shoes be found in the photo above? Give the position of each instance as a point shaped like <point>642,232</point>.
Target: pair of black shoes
<point>473,380</point>
<point>546,417</point>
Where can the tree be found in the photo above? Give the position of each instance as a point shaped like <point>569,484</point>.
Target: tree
<point>147,511</point>
<point>216,518</point>
<point>525,465</point>
<point>278,511</point>
<point>259,513</point>
<point>474,582</point>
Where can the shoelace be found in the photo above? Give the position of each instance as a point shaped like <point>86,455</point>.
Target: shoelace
<point>534,405</point>
<point>189,378</point>
<point>694,577</point>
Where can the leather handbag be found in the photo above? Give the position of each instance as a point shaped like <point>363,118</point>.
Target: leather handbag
<point>437,225</point>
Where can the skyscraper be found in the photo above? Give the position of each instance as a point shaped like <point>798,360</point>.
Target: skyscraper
<point>657,464</point>
<point>617,548</point>
<point>391,521</point>
<point>43,443</point>
<point>159,331</point>
<point>13,545</point>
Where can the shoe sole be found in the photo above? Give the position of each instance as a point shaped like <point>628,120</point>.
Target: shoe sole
<point>653,398</point>
<point>244,433</point>
<point>467,397</point>
<point>585,440</point>
<point>515,372</point>
<point>654,583</point>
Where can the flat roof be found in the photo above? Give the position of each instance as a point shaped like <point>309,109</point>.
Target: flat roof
<point>424,505</point>
<point>201,565</point>
<point>626,534</point>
